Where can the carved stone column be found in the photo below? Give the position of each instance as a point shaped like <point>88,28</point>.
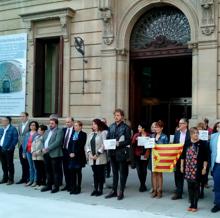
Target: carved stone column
<point>208,17</point>
<point>107,18</point>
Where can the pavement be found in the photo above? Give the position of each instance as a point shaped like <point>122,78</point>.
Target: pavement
<point>20,201</point>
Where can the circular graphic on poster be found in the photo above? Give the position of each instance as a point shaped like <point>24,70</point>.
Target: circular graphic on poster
<point>10,76</point>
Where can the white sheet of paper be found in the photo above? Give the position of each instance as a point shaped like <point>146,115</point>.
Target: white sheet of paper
<point>204,135</point>
<point>147,142</point>
<point>110,144</point>
<point>122,138</point>
<point>142,141</point>
<point>171,138</point>
<point>143,157</point>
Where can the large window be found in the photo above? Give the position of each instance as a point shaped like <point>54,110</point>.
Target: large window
<point>48,77</point>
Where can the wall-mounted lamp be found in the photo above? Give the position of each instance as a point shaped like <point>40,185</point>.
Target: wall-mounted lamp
<point>80,47</point>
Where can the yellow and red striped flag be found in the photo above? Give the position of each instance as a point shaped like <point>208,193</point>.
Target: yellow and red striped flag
<point>165,156</point>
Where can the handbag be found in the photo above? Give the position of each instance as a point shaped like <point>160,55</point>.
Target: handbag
<point>122,154</point>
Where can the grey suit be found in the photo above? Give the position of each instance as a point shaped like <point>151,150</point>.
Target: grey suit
<point>53,157</point>
<point>24,162</point>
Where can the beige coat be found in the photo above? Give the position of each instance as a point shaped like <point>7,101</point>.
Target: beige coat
<point>37,147</point>
<point>102,157</point>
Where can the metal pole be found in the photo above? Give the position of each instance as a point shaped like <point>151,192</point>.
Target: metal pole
<point>83,88</point>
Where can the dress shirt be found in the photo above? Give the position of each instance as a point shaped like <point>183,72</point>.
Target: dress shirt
<point>182,137</point>
<point>3,137</point>
<point>23,126</point>
<point>218,151</point>
<point>48,139</point>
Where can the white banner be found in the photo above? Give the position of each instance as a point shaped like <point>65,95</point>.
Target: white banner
<point>13,53</point>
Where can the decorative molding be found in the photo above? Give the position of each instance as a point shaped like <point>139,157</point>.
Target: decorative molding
<point>63,14</point>
<point>107,18</point>
<point>121,51</point>
<point>208,17</point>
<point>192,45</point>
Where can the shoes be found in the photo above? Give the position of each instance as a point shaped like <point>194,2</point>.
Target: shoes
<point>94,193</point>
<point>143,188</point>
<point>21,181</point>
<point>215,209</point>
<point>34,184</point>
<point>29,183</point>
<point>10,182</point>
<point>176,197</point>
<point>3,181</point>
<point>189,209</point>
<point>111,194</point>
<point>54,190</point>
<point>153,194</point>
<point>46,188</point>
<point>194,209</point>
<point>120,195</point>
<point>159,194</point>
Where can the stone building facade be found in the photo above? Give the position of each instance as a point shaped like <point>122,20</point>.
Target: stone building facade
<point>106,27</point>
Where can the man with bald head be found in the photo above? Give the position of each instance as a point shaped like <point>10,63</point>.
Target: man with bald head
<point>68,133</point>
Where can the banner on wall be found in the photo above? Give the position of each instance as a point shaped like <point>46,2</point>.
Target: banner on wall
<point>13,54</point>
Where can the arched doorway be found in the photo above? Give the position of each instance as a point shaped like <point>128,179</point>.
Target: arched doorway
<point>160,68</point>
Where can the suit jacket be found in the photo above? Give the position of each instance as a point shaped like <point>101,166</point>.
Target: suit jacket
<point>21,134</point>
<point>99,148</point>
<point>11,138</point>
<point>55,142</point>
<point>78,148</point>
<point>213,148</point>
<point>64,133</point>
<point>177,140</point>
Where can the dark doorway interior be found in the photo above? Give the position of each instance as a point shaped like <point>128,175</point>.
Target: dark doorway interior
<point>161,88</point>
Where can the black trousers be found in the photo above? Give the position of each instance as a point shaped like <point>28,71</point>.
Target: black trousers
<point>53,168</point>
<point>7,160</point>
<point>24,166</point>
<point>179,180</point>
<point>41,174</point>
<point>108,169</point>
<point>119,168</point>
<point>99,176</point>
<point>193,189</point>
<point>141,166</point>
<point>76,179</point>
<point>66,170</point>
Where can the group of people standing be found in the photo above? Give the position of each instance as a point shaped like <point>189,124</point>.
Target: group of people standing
<point>47,153</point>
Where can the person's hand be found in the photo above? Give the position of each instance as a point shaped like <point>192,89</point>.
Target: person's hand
<point>203,171</point>
<point>72,155</point>
<point>117,143</point>
<point>45,150</point>
<point>34,154</point>
<point>181,169</point>
<point>24,156</point>
<point>95,157</point>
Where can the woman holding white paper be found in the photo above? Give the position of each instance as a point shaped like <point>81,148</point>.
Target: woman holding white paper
<point>140,156</point>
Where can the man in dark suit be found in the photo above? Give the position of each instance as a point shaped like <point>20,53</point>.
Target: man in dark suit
<point>8,141</point>
<point>182,135</point>
<point>23,128</point>
<point>52,141</point>
<point>68,132</point>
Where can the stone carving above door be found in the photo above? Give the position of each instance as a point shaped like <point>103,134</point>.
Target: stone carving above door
<point>107,18</point>
<point>208,17</point>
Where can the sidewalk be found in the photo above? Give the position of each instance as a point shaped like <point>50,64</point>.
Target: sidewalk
<point>135,203</point>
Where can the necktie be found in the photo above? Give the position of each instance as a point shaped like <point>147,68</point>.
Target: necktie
<point>66,139</point>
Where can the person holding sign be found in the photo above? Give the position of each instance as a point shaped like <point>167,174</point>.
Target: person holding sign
<point>118,157</point>
<point>141,155</point>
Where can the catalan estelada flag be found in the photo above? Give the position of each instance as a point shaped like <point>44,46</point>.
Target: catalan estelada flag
<point>165,156</point>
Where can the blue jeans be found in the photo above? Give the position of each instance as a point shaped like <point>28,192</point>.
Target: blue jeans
<point>32,169</point>
<point>216,178</point>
